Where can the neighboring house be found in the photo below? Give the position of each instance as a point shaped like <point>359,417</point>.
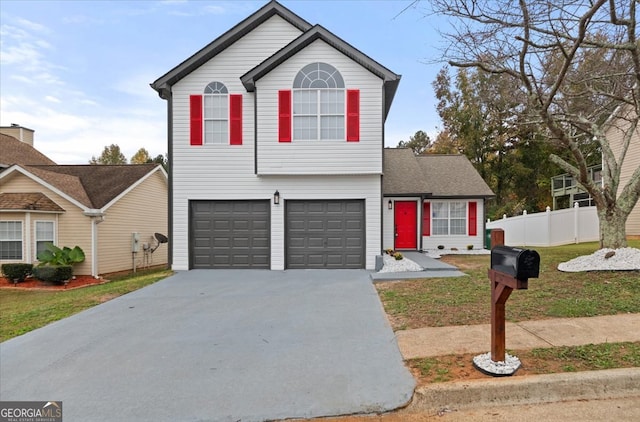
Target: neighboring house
<point>431,200</point>
<point>618,126</point>
<point>276,143</point>
<point>96,207</point>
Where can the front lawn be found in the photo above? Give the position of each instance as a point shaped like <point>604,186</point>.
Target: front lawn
<point>464,300</point>
<point>22,311</point>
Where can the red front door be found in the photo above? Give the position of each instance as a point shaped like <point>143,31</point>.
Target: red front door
<point>406,224</point>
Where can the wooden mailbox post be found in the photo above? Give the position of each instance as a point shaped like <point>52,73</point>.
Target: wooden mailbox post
<point>510,270</point>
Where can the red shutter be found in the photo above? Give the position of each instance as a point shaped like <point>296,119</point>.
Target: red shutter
<point>195,115</point>
<point>353,115</point>
<point>426,219</point>
<point>284,116</point>
<point>235,119</point>
<point>473,218</point>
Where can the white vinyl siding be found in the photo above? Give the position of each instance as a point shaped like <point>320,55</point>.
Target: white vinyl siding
<point>325,156</point>
<point>11,240</point>
<point>45,233</point>
<point>431,242</point>
<point>317,170</point>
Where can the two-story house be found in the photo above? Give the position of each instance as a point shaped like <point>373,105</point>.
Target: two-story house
<point>276,139</point>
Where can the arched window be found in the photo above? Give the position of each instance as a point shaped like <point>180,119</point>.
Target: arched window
<point>318,103</point>
<point>216,114</point>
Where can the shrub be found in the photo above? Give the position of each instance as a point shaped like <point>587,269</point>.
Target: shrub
<point>17,272</point>
<point>53,255</point>
<point>398,256</point>
<point>53,273</point>
<point>440,246</point>
<point>469,247</point>
<point>389,251</point>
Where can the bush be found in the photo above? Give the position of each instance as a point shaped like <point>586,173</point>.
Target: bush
<point>389,251</point>
<point>17,271</point>
<point>53,273</point>
<point>398,256</point>
<point>53,255</point>
<point>469,247</point>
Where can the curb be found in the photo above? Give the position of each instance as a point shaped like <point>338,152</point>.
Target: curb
<point>531,389</point>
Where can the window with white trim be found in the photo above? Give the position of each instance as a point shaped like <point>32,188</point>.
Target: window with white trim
<point>216,114</point>
<point>448,218</point>
<point>318,103</point>
<point>44,234</point>
<point>11,240</point>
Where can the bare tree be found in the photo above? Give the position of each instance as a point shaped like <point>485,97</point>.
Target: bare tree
<point>578,65</point>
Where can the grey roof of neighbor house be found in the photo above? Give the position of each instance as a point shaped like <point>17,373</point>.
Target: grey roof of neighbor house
<point>434,175</point>
<point>12,151</point>
<point>33,201</point>
<point>94,186</point>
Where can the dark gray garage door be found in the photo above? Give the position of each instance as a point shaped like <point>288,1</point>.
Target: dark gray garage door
<point>229,234</point>
<point>325,234</point>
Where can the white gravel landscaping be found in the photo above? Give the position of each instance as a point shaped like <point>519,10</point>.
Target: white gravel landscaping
<point>624,259</point>
<point>390,265</point>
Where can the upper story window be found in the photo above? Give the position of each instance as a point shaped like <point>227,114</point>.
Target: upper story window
<point>318,103</point>
<point>216,114</point>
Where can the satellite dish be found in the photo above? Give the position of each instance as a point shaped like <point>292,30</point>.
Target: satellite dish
<point>161,238</point>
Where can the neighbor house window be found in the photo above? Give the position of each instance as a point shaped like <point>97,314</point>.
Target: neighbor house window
<point>448,218</point>
<point>318,103</point>
<point>216,114</point>
<point>44,235</point>
<point>11,240</point>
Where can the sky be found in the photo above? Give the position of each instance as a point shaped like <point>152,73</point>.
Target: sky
<point>78,72</point>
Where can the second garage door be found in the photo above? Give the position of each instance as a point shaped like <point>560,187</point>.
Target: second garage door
<point>230,234</point>
<point>325,234</point>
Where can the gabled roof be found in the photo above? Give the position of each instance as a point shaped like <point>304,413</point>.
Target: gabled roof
<point>218,45</point>
<point>91,186</point>
<point>16,152</point>
<point>34,201</point>
<point>402,174</point>
<point>434,175</point>
<point>318,32</point>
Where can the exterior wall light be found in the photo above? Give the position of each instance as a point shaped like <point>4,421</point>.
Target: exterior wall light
<point>390,204</point>
<point>276,198</point>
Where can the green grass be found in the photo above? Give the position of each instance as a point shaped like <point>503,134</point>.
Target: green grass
<point>555,294</point>
<point>536,361</point>
<point>22,311</point>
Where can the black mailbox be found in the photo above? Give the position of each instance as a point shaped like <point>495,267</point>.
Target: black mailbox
<point>521,264</point>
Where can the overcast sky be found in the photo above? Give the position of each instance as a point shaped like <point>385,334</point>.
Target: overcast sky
<point>78,72</point>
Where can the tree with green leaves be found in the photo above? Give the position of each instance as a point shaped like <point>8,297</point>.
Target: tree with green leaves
<point>110,155</point>
<point>576,64</point>
<point>419,143</point>
<point>160,159</point>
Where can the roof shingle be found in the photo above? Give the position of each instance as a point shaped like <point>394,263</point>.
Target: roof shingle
<point>12,151</point>
<point>34,201</point>
<point>436,175</point>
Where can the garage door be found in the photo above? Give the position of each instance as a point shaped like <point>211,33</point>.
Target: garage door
<point>325,234</point>
<point>229,234</point>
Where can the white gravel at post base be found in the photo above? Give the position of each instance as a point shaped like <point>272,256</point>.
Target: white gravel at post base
<point>508,366</point>
<point>624,259</point>
<point>391,265</point>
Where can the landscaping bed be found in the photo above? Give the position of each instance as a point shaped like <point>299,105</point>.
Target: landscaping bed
<point>32,283</point>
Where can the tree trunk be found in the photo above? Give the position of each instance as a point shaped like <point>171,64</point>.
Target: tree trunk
<point>613,223</point>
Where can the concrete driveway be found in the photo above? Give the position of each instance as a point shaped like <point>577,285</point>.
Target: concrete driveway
<point>217,345</point>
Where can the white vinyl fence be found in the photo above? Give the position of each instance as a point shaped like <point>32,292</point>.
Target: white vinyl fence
<point>550,228</point>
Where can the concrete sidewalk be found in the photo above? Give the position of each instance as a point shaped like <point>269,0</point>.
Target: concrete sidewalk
<point>436,341</point>
<point>532,389</point>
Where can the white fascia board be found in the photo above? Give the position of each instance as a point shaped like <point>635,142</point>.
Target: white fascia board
<point>36,179</point>
<point>138,182</point>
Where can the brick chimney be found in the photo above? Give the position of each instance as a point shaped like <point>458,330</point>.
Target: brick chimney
<point>22,134</point>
